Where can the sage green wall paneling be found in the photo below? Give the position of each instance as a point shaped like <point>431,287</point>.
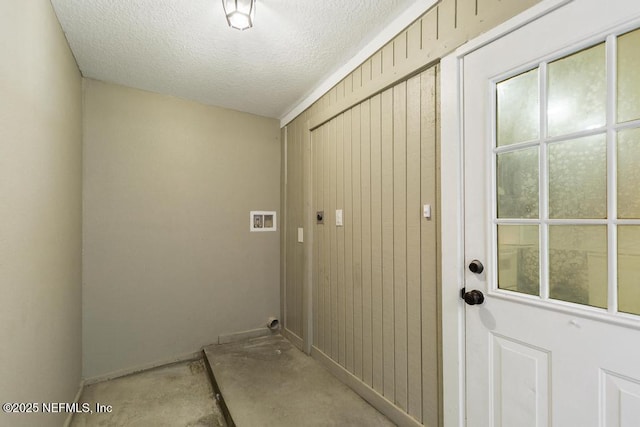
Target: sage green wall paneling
<point>376,66</point>
<point>388,58</point>
<point>301,133</point>
<point>429,35</point>
<point>429,184</point>
<point>341,293</point>
<point>367,274</point>
<point>292,164</point>
<point>293,178</point>
<point>318,269</point>
<point>347,332</point>
<point>400,239</point>
<point>382,304</point>
<point>365,72</point>
<point>326,229</point>
<point>282,221</point>
<point>297,143</point>
<point>376,244</point>
<point>439,31</point>
<point>340,88</point>
<point>388,305</point>
<point>295,285</point>
<point>333,236</point>
<point>414,338</point>
<point>400,49</point>
<point>365,206</point>
<point>357,242</point>
<point>414,39</point>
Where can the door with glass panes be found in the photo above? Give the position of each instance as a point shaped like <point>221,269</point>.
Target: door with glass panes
<point>552,221</point>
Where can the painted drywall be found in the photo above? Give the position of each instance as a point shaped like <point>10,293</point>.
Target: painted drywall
<point>169,262</point>
<point>40,206</point>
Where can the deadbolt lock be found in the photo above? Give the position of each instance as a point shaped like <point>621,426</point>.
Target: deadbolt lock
<point>476,267</point>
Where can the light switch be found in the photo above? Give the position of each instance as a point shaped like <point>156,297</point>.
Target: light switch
<point>300,235</point>
<point>426,211</point>
<point>339,217</point>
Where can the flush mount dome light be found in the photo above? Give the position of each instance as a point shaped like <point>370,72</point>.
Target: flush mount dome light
<point>240,13</point>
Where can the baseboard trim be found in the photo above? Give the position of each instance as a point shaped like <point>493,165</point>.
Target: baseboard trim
<point>295,340</point>
<point>245,335</point>
<point>140,368</point>
<point>376,400</point>
<point>67,422</point>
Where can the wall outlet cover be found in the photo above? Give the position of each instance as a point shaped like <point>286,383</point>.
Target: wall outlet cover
<point>262,221</point>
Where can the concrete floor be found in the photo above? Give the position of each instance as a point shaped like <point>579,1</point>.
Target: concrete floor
<point>175,395</point>
<point>268,382</point>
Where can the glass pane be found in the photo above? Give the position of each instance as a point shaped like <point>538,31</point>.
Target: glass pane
<point>628,77</point>
<point>519,258</point>
<point>629,269</point>
<point>518,184</point>
<point>578,264</point>
<point>578,178</point>
<point>629,173</point>
<point>577,92</point>
<point>518,109</point>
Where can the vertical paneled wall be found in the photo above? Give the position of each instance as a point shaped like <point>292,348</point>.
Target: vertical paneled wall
<point>365,302</point>
<point>439,31</point>
<point>297,137</point>
<point>374,278</point>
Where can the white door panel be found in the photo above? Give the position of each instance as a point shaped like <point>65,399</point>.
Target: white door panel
<point>548,355</point>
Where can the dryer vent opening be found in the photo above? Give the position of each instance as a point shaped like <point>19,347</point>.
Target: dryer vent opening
<point>273,324</point>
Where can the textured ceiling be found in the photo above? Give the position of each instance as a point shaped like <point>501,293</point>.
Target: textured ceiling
<point>185,48</point>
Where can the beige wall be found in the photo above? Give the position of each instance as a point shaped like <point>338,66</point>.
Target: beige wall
<point>169,262</point>
<point>40,206</point>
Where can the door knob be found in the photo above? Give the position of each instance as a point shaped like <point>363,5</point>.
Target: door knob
<point>473,297</point>
<point>476,267</point>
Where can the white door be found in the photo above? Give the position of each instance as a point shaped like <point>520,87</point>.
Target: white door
<point>552,212</point>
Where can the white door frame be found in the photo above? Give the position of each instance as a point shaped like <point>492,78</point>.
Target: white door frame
<point>452,210</point>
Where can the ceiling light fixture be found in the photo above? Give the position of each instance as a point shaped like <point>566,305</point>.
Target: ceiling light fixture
<point>240,13</point>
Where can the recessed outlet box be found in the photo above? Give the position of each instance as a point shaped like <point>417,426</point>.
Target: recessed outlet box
<point>262,221</point>
<point>320,217</point>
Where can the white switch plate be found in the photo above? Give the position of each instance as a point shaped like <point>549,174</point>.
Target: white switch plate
<point>426,211</point>
<point>339,217</point>
<point>300,235</point>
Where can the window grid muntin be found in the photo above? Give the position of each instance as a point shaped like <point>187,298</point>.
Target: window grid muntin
<point>611,129</point>
<point>612,172</point>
